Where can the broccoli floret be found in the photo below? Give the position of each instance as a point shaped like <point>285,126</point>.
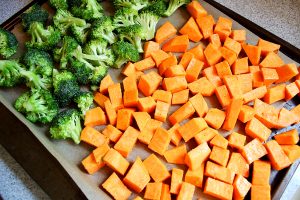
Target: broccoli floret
<point>124,17</point>
<point>88,10</point>
<point>10,73</point>
<point>39,61</point>
<point>133,34</point>
<point>34,14</point>
<point>63,54</point>
<point>174,5</point>
<point>59,4</point>
<point>158,7</point>
<point>103,28</point>
<point>8,43</point>
<point>84,101</point>
<point>63,19</point>
<point>36,80</point>
<point>65,87</point>
<point>80,33</point>
<point>66,125</point>
<point>148,20</point>
<point>41,38</point>
<point>37,106</point>
<point>124,52</point>
<point>80,71</point>
<point>96,63</point>
<point>134,4</point>
<point>98,53</point>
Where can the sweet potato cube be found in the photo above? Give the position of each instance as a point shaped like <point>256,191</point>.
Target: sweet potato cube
<point>246,82</point>
<point>267,46</point>
<point>115,95</point>
<point>149,83</point>
<point>261,173</point>
<point>233,85</point>
<point>274,94</point>
<point>218,189</point>
<point>124,118</point>
<point>291,90</point>
<point>199,104</point>
<point>269,75</point>
<point>100,99</point>
<point>292,151</point>
<point>165,64</point>
<point>145,64</point>
<point>206,135</point>
<point>165,192</point>
<point>289,137</point>
<point>192,128</point>
<point>178,44</point>
<point>229,55</point>
<point>195,177</point>
<point>206,25</point>
<point>238,164</point>
<point>215,118</point>
<point>92,137</point>
<point>156,168</point>
<point>254,150</point>
<point>186,191</point>
<point>193,70</point>
<point>238,35</point>
<point>286,72</point>
<point>233,45</point>
<point>241,187</point>
<point>105,83</point>
<point>223,28</point>
<point>232,113</point>
<point>261,192</point>
<point>202,86</point>
<point>127,141</point>
<point>246,114</point>
<point>141,119</point>
<point>166,31</point>
<point>175,136</point>
<point>95,117</point>
<point>146,104</point>
<point>174,84</point>
<point>160,141</point>
<point>131,98</point>
<point>149,47</point>
<point>110,112</point>
<point>182,113</point>
<point>176,155</point>
<point>195,9</point>
<point>116,161</point>
<point>191,29</point>
<point>236,140</point>
<point>162,95</point>
<point>240,66</point>
<point>153,191</point>
<point>115,187</point>
<point>161,111</point>
<point>278,158</point>
<point>176,180</point>
<point>159,56</point>
<point>180,97</point>
<point>223,69</point>
<point>253,53</point>
<point>197,156</point>
<point>211,74</point>
<point>219,172</point>
<point>100,152</point>
<point>212,54</point>
<point>129,69</point>
<point>185,59</point>
<point>215,40</point>
<point>219,141</point>
<point>219,155</point>
<point>137,177</point>
<point>257,93</point>
<point>90,164</point>
<point>255,129</point>
<point>272,60</point>
<point>223,95</point>
<point>148,131</point>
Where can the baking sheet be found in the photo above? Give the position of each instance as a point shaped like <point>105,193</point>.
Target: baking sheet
<point>70,155</point>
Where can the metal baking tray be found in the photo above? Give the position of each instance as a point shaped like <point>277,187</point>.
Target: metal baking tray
<point>65,157</point>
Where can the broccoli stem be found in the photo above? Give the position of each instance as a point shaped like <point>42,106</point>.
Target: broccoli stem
<point>33,79</point>
<point>119,62</point>
<point>110,37</point>
<point>38,33</point>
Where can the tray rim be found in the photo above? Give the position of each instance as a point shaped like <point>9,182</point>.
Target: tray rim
<point>286,48</point>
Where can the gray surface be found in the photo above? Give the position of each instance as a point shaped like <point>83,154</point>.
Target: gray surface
<point>281,17</point>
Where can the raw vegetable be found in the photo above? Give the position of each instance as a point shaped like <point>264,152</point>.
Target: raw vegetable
<point>8,43</point>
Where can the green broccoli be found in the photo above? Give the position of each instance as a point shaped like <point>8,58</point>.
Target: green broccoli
<point>80,33</point>
<point>66,125</point>
<point>98,74</point>
<point>10,74</point>
<point>148,20</point>
<point>65,87</point>
<point>124,17</point>
<point>174,5</point>
<point>64,53</point>
<point>63,19</point>
<point>8,43</point>
<point>37,105</point>
<point>80,71</point>
<point>59,4</point>
<point>134,4</point>
<point>84,101</point>
<point>41,38</point>
<point>34,14</point>
<point>88,10</point>
<point>124,52</point>
<point>133,34</point>
<point>39,61</point>
<point>103,28</point>
<point>158,7</point>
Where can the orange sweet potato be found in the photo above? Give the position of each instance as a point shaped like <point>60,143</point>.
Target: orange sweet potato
<point>240,66</point>
<point>233,45</point>
<point>219,155</point>
<point>153,191</point>
<point>288,138</point>
<point>161,111</point>
<point>232,113</point>
<point>212,54</point>
<point>112,133</point>
<point>176,180</point>
<point>162,95</point>
<point>116,161</point>
<point>238,164</point>
<point>160,141</point>
<point>185,59</point>
<point>272,60</point>
<point>90,165</point>
<point>186,191</point>
<point>195,177</point>
<point>149,83</point>
<point>156,169</point>
<point>241,187</point>
<point>238,35</point>
<point>229,55</point>
<point>93,137</point>
<point>180,97</point>
<point>246,114</point>
<point>149,47</point>
<point>215,39</point>
<point>174,84</point>
<point>254,150</point>
<point>195,157</point>
<point>206,25</point>
<point>206,135</point>
<point>286,72</point>
<point>145,64</point>
<point>115,95</point>
<point>177,44</point>
<point>219,140</point>
<point>253,53</point>
<point>191,30</point>
<point>141,119</point>
<point>175,70</point>
<point>105,83</point>
<point>255,129</point>
<point>211,74</point>
<point>175,136</point>
<point>195,9</point>
<point>148,131</point>
<point>176,155</point>
<point>215,118</point>
<point>261,172</point>
<point>192,128</point>
<point>115,187</point>
<point>223,28</point>
<point>165,64</point>
<point>261,192</point>
<point>218,189</point>
<point>267,46</point>
<point>223,69</point>
<point>223,95</point>
<point>219,172</point>
<point>166,31</point>
<point>236,140</point>
<point>202,86</point>
<point>127,141</point>
<point>193,70</point>
<point>100,99</point>
<point>292,151</point>
<point>159,56</point>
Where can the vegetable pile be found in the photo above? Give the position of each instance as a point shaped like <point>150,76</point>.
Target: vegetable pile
<point>245,79</point>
